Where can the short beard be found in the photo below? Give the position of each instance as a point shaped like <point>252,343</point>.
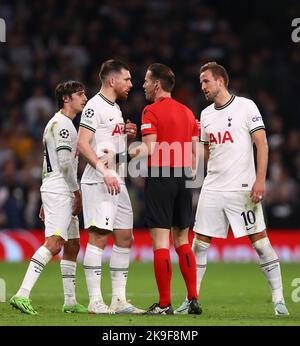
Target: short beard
<point>211,97</point>
<point>150,97</point>
<point>122,97</point>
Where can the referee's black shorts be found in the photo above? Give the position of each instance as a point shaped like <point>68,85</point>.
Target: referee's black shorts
<point>168,201</point>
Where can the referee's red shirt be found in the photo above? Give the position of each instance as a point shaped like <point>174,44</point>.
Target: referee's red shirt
<point>175,125</point>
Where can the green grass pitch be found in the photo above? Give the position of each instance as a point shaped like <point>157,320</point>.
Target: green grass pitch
<point>232,294</point>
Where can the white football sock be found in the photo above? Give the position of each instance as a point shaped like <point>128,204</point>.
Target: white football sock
<point>92,268</point>
<point>118,266</point>
<point>37,263</point>
<point>270,266</point>
<point>200,250</point>
<point>68,273</point>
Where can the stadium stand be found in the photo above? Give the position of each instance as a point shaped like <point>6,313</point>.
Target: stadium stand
<point>49,41</point>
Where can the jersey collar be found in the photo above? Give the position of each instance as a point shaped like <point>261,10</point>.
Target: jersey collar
<point>60,113</point>
<point>226,104</point>
<point>106,99</point>
<point>163,98</point>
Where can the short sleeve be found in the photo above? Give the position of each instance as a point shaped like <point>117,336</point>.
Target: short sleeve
<point>88,118</point>
<point>253,118</point>
<point>62,134</point>
<point>149,123</point>
<point>204,136</point>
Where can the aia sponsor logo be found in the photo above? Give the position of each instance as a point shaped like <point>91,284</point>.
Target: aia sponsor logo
<point>220,138</point>
<point>118,130</point>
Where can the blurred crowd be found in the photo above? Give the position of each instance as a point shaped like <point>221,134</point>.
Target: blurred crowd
<point>50,41</point>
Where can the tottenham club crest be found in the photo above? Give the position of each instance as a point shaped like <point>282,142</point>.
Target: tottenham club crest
<point>89,113</point>
<point>64,133</point>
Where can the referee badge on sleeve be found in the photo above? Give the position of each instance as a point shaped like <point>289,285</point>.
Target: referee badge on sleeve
<point>145,126</point>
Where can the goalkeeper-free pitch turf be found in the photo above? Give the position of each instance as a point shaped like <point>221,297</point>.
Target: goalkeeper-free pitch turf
<point>232,294</point>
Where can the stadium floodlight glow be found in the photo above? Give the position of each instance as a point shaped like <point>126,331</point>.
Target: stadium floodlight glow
<point>2,291</point>
<point>296,32</point>
<point>2,30</point>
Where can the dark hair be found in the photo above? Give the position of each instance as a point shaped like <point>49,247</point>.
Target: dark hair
<point>110,66</point>
<point>216,70</point>
<point>164,74</point>
<point>66,89</point>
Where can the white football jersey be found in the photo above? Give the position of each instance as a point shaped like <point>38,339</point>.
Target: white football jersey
<point>227,130</point>
<point>59,134</point>
<point>105,119</point>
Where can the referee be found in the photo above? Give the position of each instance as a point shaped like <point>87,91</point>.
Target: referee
<point>170,133</point>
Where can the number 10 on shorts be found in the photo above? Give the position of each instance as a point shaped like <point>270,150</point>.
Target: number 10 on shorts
<point>249,219</point>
